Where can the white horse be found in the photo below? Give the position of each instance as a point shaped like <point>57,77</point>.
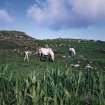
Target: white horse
<point>72,52</point>
<point>27,54</point>
<point>46,52</point>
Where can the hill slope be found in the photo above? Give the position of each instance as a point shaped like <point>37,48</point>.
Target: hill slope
<point>15,39</point>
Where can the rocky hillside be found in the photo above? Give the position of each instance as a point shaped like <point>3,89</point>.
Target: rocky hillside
<point>15,39</point>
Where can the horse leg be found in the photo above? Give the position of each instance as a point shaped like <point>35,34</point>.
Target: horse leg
<point>70,54</point>
<point>50,58</point>
<point>25,58</point>
<point>41,55</point>
<point>40,58</point>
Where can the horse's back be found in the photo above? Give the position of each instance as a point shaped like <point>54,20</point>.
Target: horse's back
<point>44,51</point>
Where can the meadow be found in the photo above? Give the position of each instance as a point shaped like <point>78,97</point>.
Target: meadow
<point>54,83</point>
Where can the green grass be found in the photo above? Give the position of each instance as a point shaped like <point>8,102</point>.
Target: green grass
<point>55,87</point>
<point>54,83</point>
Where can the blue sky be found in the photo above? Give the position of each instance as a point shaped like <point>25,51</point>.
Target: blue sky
<point>42,19</point>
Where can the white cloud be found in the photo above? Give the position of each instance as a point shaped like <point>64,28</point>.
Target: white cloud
<point>68,13</point>
<point>5,16</point>
<point>92,9</point>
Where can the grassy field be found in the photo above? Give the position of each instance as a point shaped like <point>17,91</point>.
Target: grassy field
<point>54,83</point>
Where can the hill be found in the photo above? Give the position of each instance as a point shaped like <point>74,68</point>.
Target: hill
<point>15,39</point>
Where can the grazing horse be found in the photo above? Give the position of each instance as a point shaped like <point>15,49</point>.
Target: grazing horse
<point>27,54</point>
<point>72,52</point>
<point>46,53</point>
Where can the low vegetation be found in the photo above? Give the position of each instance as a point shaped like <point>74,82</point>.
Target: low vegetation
<point>61,82</point>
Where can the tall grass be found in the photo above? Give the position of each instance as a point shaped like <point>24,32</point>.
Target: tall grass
<point>54,87</point>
